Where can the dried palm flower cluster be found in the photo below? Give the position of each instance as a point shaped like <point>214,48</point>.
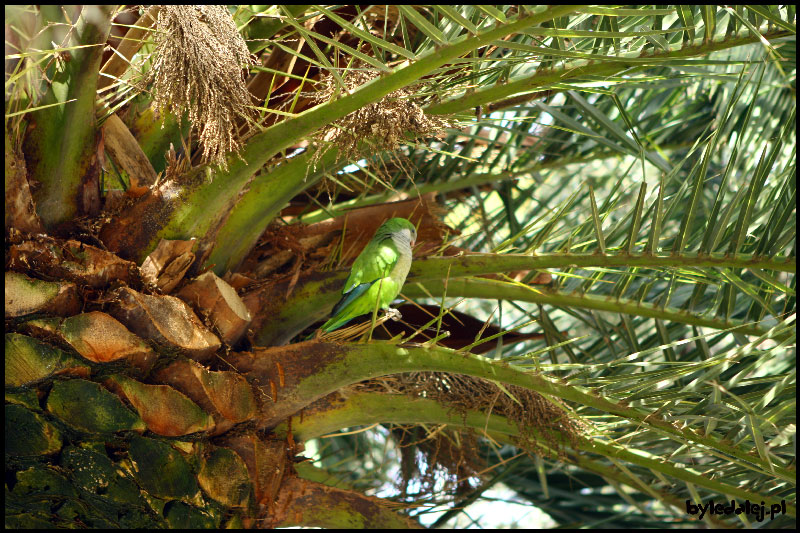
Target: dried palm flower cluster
<point>541,423</point>
<point>451,455</point>
<point>384,125</point>
<point>536,417</point>
<point>197,67</point>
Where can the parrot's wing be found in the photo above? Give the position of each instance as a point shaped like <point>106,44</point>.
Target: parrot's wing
<point>372,264</point>
<point>375,262</point>
<point>348,297</point>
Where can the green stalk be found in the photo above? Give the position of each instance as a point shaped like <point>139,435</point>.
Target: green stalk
<point>261,204</point>
<point>492,290</point>
<point>364,408</point>
<point>328,367</point>
<point>60,148</point>
<point>201,208</point>
<point>594,65</point>
<point>477,264</point>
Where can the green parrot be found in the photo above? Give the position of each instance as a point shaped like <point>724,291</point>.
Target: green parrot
<point>377,274</point>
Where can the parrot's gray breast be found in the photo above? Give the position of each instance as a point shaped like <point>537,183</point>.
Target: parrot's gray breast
<point>403,265</point>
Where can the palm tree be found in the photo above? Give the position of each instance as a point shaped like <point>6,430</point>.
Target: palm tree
<point>600,314</point>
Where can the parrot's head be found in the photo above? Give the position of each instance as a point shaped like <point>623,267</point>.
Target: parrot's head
<point>400,230</point>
